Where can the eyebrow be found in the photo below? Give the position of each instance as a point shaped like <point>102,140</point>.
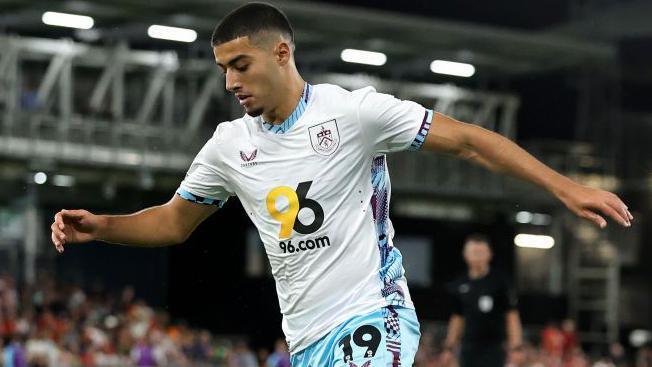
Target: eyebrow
<point>234,60</point>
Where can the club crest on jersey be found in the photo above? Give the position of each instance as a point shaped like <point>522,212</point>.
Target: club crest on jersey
<point>324,137</point>
<point>486,304</point>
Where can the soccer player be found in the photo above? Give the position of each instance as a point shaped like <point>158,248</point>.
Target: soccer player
<point>485,313</point>
<point>308,164</point>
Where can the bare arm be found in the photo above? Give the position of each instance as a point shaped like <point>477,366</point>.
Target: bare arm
<point>514,330</point>
<point>454,333</point>
<point>453,336</point>
<point>499,154</point>
<point>163,225</point>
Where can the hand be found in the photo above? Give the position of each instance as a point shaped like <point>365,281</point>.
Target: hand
<point>589,203</point>
<point>446,357</point>
<point>73,226</point>
<point>516,356</point>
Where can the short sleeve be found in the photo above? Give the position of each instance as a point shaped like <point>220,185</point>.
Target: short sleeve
<point>392,124</point>
<point>512,298</point>
<point>455,301</point>
<point>508,295</point>
<point>205,182</point>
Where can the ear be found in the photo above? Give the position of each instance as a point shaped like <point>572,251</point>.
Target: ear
<point>283,53</point>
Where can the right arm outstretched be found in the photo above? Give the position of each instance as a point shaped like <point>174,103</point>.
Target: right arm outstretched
<point>163,225</point>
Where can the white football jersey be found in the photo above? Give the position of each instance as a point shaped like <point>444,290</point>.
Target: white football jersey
<point>317,189</point>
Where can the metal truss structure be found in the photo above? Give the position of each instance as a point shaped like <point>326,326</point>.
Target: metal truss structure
<point>88,105</point>
<point>73,104</point>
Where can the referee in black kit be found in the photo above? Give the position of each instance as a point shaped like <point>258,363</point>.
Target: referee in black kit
<point>485,315</point>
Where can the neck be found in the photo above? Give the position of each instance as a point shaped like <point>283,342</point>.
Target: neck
<point>478,272</point>
<point>289,95</point>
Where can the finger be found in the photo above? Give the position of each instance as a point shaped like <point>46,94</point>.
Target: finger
<point>629,215</point>
<point>58,245</point>
<point>621,208</point>
<point>609,210</point>
<point>594,217</point>
<point>58,219</point>
<point>60,236</point>
<point>55,229</point>
<point>57,232</point>
<point>616,207</point>
<point>72,214</point>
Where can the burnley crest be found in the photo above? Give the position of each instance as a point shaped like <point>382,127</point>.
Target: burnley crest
<point>324,137</point>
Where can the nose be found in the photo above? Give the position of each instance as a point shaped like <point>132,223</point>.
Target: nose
<point>232,82</point>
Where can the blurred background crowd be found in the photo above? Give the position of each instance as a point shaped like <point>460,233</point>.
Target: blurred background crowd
<point>53,325</point>
<point>62,325</point>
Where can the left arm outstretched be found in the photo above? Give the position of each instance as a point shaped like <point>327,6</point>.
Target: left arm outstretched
<point>500,154</point>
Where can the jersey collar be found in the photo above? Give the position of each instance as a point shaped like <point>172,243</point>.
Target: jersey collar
<point>294,116</point>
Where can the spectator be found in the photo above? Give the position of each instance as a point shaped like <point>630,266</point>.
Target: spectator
<point>644,356</point>
<point>576,358</point>
<point>280,357</point>
<point>617,355</point>
<point>143,354</point>
<point>13,354</point>
<point>552,342</point>
<point>570,339</point>
<point>41,350</point>
<point>242,356</point>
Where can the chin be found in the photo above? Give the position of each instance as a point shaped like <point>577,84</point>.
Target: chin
<point>254,112</point>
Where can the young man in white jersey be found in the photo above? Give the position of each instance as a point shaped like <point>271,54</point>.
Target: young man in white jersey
<point>308,165</point>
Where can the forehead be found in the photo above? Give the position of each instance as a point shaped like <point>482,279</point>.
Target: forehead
<point>224,52</point>
<point>476,246</point>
